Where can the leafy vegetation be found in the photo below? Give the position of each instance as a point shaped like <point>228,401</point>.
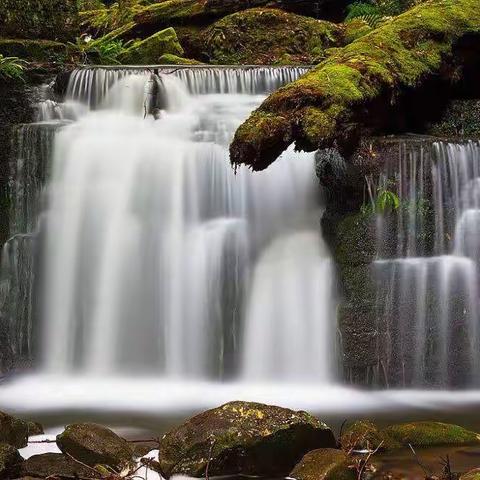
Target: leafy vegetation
<point>99,52</point>
<point>12,67</point>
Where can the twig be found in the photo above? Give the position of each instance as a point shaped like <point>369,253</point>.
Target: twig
<point>367,459</point>
<point>425,471</point>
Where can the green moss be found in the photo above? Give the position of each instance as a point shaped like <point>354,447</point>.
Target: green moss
<point>428,434</point>
<point>39,19</point>
<point>355,29</point>
<point>170,59</point>
<point>472,475</point>
<point>34,50</point>
<point>170,12</point>
<point>364,434</point>
<point>269,36</point>
<point>400,54</point>
<point>150,50</point>
<point>325,464</point>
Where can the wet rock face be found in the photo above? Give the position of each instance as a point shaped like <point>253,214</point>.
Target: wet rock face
<point>242,438</point>
<point>13,431</point>
<point>93,445</point>
<point>323,464</point>
<point>55,465</point>
<point>10,461</point>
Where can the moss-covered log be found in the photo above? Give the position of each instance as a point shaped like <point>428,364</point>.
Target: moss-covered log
<point>353,90</point>
<point>181,12</point>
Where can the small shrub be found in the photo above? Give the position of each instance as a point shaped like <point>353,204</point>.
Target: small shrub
<point>12,67</point>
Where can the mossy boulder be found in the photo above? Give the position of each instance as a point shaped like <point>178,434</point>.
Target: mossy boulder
<point>170,59</point>
<point>150,50</point>
<point>355,29</point>
<point>54,465</point>
<point>323,464</point>
<point>10,461</point>
<point>365,435</point>
<point>94,444</point>
<point>471,475</point>
<point>353,91</point>
<point>13,431</point>
<point>39,19</point>
<point>35,428</point>
<point>269,36</point>
<point>242,438</point>
<point>34,50</point>
<point>429,434</point>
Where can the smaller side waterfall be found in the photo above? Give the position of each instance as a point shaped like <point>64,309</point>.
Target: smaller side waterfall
<point>428,276</point>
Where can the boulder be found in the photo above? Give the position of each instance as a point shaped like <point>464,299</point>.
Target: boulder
<point>267,36</point>
<point>150,50</point>
<point>242,438</point>
<point>170,59</point>
<point>384,81</point>
<point>365,435</point>
<point>94,444</point>
<point>35,428</point>
<point>13,431</point>
<point>323,464</point>
<point>429,434</point>
<point>10,461</point>
<point>54,465</point>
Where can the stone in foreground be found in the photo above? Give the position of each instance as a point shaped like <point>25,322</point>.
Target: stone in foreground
<point>471,475</point>
<point>13,431</point>
<point>52,465</point>
<point>10,461</point>
<point>242,438</point>
<point>93,445</point>
<point>323,464</point>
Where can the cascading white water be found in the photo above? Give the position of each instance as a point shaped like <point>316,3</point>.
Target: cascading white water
<point>160,259</point>
<point>429,290</point>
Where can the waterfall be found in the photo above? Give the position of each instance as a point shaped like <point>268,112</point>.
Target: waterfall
<point>156,257</point>
<point>428,276</point>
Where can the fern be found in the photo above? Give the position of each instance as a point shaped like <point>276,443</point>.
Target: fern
<point>12,67</point>
<point>100,53</point>
<point>375,12</point>
<point>386,201</point>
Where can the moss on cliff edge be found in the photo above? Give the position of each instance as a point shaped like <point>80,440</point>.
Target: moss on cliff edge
<point>323,107</point>
<point>269,36</point>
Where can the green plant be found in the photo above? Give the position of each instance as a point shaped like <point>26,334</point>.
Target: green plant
<point>12,67</point>
<point>100,52</point>
<point>375,12</point>
<point>386,201</point>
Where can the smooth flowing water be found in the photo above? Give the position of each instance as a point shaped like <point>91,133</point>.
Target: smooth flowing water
<point>428,275</point>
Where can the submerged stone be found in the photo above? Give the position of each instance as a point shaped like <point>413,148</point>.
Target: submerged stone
<point>10,461</point>
<point>242,438</point>
<point>323,464</point>
<point>150,50</point>
<point>13,431</point>
<point>54,465</point>
<point>429,434</point>
<point>94,444</point>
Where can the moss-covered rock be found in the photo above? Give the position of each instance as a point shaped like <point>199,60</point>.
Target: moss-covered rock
<point>429,434</point>
<point>170,59</point>
<point>54,465</point>
<point>150,50</point>
<point>94,444</point>
<point>242,438</point>
<point>355,29</point>
<point>13,431</point>
<point>269,36</point>
<point>10,461</point>
<point>365,435</point>
<point>35,428</point>
<point>34,50</point>
<point>330,105</point>
<point>39,19</point>
<point>323,464</point>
